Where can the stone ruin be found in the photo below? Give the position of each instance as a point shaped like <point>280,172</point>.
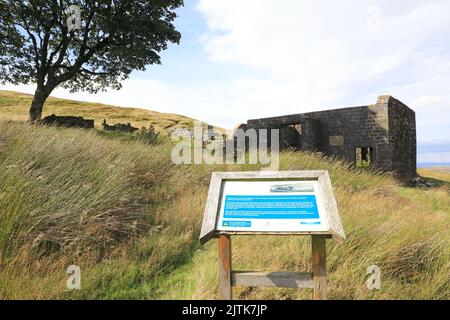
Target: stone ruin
<point>68,121</point>
<point>382,136</point>
<point>119,127</point>
<point>208,135</point>
<point>80,122</point>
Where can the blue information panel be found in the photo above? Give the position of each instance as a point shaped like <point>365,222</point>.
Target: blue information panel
<point>271,207</point>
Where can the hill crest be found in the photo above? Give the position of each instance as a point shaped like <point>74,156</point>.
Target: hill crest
<point>15,105</point>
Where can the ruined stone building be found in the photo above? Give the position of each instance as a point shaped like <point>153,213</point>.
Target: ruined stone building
<point>382,135</point>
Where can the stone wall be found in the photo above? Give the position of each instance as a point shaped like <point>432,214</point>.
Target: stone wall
<point>68,121</point>
<point>387,128</point>
<point>344,130</point>
<point>402,138</point>
<point>122,127</point>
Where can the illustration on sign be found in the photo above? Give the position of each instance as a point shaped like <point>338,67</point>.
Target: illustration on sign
<point>292,188</point>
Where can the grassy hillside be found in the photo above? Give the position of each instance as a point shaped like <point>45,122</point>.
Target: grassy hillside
<point>15,106</point>
<point>130,219</point>
<point>438,173</point>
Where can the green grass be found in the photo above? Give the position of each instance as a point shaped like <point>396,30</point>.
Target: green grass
<point>130,218</point>
<point>15,106</point>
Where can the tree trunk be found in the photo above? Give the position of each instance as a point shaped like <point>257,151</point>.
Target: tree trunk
<point>40,95</point>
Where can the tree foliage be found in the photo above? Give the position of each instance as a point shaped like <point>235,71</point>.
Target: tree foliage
<point>115,37</point>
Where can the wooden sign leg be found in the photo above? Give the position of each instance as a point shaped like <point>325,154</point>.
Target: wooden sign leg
<point>225,267</point>
<point>319,267</point>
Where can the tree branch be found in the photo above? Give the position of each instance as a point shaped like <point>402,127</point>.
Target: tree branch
<point>26,27</point>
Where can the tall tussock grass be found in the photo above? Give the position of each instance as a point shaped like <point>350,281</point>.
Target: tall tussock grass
<point>130,218</point>
<point>64,188</point>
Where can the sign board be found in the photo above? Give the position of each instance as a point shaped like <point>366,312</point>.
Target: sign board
<point>281,202</point>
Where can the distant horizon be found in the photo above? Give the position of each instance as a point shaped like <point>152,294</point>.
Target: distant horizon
<point>432,164</point>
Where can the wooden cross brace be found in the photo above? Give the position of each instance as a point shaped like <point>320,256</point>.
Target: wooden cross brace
<point>316,280</point>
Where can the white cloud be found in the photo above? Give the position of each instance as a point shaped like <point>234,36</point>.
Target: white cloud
<point>325,45</point>
<point>374,21</point>
<point>426,101</point>
<point>325,54</point>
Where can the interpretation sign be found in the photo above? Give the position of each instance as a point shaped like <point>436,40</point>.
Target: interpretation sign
<point>263,202</point>
<point>292,202</point>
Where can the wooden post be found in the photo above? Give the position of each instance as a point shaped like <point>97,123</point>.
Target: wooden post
<point>224,267</point>
<point>319,267</point>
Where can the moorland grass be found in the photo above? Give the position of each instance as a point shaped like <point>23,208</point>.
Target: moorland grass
<point>130,218</point>
<point>15,106</point>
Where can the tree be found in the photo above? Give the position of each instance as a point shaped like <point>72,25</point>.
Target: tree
<point>51,43</point>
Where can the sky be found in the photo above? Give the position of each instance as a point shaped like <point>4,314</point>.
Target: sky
<point>258,58</point>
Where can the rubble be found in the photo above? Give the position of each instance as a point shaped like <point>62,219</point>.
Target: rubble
<point>68,121</point>
<point>119,127</point>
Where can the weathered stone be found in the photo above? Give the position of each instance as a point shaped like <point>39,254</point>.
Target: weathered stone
<point>385,130</point>
<point>289,137</point>
<point>119,127</point>
<point>336,140</point>
<point>68,121</point>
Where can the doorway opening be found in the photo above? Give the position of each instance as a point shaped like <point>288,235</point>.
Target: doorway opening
<point>364,157</point>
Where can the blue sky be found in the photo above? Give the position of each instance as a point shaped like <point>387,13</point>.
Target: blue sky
<point>256,58</point>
